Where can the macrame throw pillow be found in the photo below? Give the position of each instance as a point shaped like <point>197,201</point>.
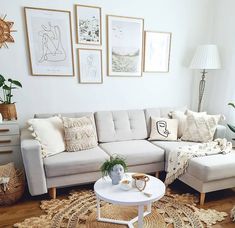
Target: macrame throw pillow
<point>182,119</point>
<point>200,127</point>
<point>163,129</point>
<point>80,133</point>
<point>50,134</point>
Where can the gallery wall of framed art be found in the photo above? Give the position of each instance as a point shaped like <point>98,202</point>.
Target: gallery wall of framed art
<point>130,49</point>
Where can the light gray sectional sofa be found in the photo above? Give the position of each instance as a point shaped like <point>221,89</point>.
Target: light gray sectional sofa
<point>124,133</point>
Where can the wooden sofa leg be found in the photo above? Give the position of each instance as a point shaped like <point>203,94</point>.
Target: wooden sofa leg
<point>52,193</point>
<point>202,198</point>
<point>157,174</point>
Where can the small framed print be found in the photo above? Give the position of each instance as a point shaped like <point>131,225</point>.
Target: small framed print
<point>90,66</point>
<point>88,26</point>
<point>50,41</point>
<point>157,51</point>
<point>125,46</point>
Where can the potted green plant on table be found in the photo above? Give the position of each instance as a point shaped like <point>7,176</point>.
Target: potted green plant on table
<point>7,107</point>
<point>114,168</point>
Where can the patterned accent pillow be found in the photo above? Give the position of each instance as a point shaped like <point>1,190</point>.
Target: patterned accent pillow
<point>163,129</point>
<point>200,128</point>
<point>182,119</point>
<point>80,133</point>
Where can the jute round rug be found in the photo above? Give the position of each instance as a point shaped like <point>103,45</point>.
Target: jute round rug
<point>79,211</point>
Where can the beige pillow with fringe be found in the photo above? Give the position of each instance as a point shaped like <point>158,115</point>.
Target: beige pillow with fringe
<point>200,128</point>
<point>80,133</point>
<point>49,133</point>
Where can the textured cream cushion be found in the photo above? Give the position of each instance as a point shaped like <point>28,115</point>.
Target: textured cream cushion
<point>80,133</point>
<point>182,119</point>
<point>163,129</point>
<point>200,127</point>
<point>50,134</point>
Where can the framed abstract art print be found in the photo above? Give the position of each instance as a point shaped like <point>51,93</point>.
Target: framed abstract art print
<point>125,46</point>
<point>49,41</point>
<point>157,51</point>
<point>90,66</point>
<point>88,24</point>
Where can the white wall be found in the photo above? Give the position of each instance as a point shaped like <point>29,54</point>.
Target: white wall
<point>221,83</point>
<point>186,19</point>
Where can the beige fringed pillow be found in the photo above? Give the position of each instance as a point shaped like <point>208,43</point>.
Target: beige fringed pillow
<point>182,119</point>
<point>163,129</point>
<point>80,133</point>
<point>200,127</point>
<point>50,134</point>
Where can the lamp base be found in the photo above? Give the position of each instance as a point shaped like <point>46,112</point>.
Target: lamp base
<point>202,85</point>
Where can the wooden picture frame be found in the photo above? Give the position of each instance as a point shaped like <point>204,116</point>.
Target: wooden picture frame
<point>157,47</point>
<point>50,44</point>
<point>88,24</point>
<point>125,46</point>
<point>90,66</point>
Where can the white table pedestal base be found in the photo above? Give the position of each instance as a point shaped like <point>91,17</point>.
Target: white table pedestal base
<point>139,218</point>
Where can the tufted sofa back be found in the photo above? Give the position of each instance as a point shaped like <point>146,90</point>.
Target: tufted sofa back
<point>120,125</point>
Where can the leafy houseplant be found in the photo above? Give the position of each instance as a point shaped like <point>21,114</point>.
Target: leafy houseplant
<point>7,107</point>
<point>231,127</point>
<point>115,168</point>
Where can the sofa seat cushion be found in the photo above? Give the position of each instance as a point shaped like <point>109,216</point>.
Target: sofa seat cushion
<point>136,152</point>
<point>68,163</point>
<point>170,146</point>
<point>215,167</point>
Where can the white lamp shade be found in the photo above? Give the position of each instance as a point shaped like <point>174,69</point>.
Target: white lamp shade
<point>206,57</point>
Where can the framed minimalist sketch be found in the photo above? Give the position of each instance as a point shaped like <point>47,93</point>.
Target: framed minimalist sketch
<point>49,41</point>
<point>88,20</point>
<point>157,51</point>
<point>125,46</point>
<point>90,66</point>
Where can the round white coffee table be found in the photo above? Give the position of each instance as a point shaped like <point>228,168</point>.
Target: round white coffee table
<point>105,191</point>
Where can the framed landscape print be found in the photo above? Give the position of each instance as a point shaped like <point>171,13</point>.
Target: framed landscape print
<point>88,24</point>
<point>157,51</point>
<point>50,41</point>
<point>90,66</point>
<point>125,46</point>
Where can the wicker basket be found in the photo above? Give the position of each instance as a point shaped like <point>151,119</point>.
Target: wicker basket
<point>15,189</point>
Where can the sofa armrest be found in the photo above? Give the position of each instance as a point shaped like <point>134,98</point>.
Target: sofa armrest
<point>33,163</point>
<point>220,132</point>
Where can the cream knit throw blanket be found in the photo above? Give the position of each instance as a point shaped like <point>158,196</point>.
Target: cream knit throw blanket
<point>178,159</point>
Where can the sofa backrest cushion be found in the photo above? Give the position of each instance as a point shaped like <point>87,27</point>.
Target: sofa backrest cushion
<point>159,112</point>
<point>70,115</point>
<point>120,125</point>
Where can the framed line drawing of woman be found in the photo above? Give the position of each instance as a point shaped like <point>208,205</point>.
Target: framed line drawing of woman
<point>90,66</point>
<point>49,41</point>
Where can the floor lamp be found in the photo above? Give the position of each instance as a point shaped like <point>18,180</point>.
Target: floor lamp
<point>205,58</point>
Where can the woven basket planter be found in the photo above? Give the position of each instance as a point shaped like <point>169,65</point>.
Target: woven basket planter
<point>8,111</point>
<point>15,189</point>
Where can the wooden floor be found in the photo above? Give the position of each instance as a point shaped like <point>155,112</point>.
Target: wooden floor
<point>29,206</point>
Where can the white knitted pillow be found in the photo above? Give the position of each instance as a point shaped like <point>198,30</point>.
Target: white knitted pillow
<point>50,134</point>
<point>200,128</point>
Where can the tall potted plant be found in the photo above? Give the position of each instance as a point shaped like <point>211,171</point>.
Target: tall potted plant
<point>7,107</point>
<point>232,127</point>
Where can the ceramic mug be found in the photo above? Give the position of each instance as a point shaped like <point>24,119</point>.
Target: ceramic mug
<point>140,181</point>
